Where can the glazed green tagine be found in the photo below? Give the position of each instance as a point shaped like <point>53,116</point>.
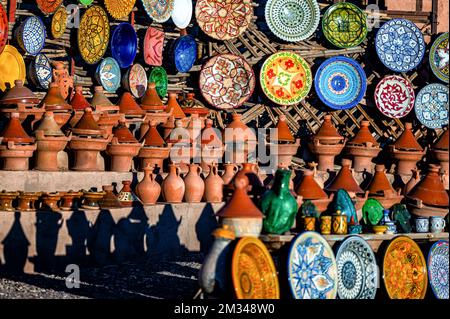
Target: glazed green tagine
<point>344,203</point>
<point>279,205</point>
<point>372,212</point>
<point>402,217</point>
<point>158,75</point>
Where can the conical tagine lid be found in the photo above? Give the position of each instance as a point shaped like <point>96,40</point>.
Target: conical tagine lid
<point>364,136</point>
<point>431,190</point>
<point>19,94</point>
<point>407,141</point>
<point>345,180</point>
<point>308,187</point>
<point>14,132</point>
<point>49,125</point>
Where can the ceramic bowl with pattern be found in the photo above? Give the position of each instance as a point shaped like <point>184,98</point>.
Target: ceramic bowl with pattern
<point>31,35</point>
<point>40,71</point>
<point>158,10</point>
<point>124,44</point>
<point>184,53</point>
<point>439,56</point>
<point>431,105</point>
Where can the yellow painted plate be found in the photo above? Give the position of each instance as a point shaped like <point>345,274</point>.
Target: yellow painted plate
<point>59,23</point>
<point>12,67</point>
<point>253,272</point>
<point>119,9</point>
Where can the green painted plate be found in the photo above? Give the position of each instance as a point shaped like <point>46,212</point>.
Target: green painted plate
<point>372,212</point>
<point>159,76</point>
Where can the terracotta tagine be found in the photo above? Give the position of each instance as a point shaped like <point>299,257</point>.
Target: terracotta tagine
<point>129,107</point>
<point>108,113</point>
<point>99,99</point>
<point>440,152</point>
<point>16,147</point>
<point>195,127</point>
<point>148,190</point>
<point>172,104</point>
<point>27,201</point>
<point>62,77</point>
<point>69,200</point>
<point>255,185</point>
<point>363,147</point>
<point>309,189</point>
<point>109,200</point>
<point>159,118</point>
<point>326,144</point>
<point>6,200</point>
<point>240,213</point>
<point>50,201</point>
<point>127,197</point>
<point>79,104</point>
<point>381,189</point>
<point>239,139</point>
<point>191,105</point>
<point>212,148</point>
<point>194,185</point>
<point>182,150</point>
<point>285,144</point>
<point>123,148</point>
<point>406,151</point>
<point>154,150</point>
<point>151,100</point>
<point>429,197</point>
<point>213,186</point>
<point>54,102</point>
<point>91,199</point>
<point>173,187</point>
<point>230,171</point>
<point>168,127</point>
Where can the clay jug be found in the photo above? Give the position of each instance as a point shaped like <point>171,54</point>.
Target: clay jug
<point>195,187</point>
<point>213,186</point>
<point>173,187</point>
<point>127,197</point>
<point>230,170</point>
<point>148,190</point>
<point>62,77</point>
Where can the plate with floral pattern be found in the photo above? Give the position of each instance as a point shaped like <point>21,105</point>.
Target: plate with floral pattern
<point>119,9</point>
<point>439,57</point>
<point>438,269</point>
<point>286,78</point>
<point>394,96</point>
<point>59,22</point>
<point>159,10</point>
<point>431,105</point>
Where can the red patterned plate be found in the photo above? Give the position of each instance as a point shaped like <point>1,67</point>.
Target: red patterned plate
<point>48,6</point>
<point>153,46</point>
<point>3,28</point>
<point>394,96</point>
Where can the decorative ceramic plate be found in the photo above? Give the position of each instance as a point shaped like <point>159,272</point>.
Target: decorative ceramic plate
<point>432,105</point>
<point>344,25</point>
<point>119,9</point>
<point>124,44</point>
<point>286,78</point>
<point>158,10</point>
<point>223,19</point>
<point>153,46</point>
<point>404,270</point>
<point>253,271</point>
<point>3,28</point>
<point>184,53</point>
<point>41,71</point>
<point>340,83</point>
<point>59,23</point>
<point>93,34</point>
<point>312,268</point>
<point>357,269</point>
<point>48,6</point>
<point>136,80</point>
<point>86,2</point>
<point>292,20</point>
<point>438,269</point>
<point>400,45</point>
<point>108,74</point>
<point>159,76</point>
<point>394,96</point>
<point>227,81</point>
<point>439,57</point>
<point>12,67</point>
<point>182,13</point>
<point>31,35</point>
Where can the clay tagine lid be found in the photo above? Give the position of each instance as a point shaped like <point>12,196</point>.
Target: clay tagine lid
<point>151,100</point>
<point>49,125</point>
<point>345,180</point>
<point>431,190</point>
<point>407,141</point>
<point>178,134</point>
<point>308,187</point>
<point>327,133</point>
<point>54,101</point>
<point>19,94</point>
<point>123,134</point>
<point>363,137</point>
<point>14,132</point>
<point>99,98</point>
<point>87,125</point>
<point>172,103</point>
<point>79,102</point>
<point>380,182</point>
<point>284,133</point>
<point>442,143</point>
<point>240,204</point>
<point>152,138</point>
<point>129,106</point>
<point>191,105</point>
<point>241,132</point>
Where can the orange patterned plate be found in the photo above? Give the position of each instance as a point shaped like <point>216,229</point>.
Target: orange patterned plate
<point>253,271</point>
<point>3,28</point>
<point>48,6</point>
<point>119,9</point>
<point>59,22</point>
<point>405,270</point>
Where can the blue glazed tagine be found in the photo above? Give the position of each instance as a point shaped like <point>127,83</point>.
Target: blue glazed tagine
<point>184,53</point>
<point>124,44</point>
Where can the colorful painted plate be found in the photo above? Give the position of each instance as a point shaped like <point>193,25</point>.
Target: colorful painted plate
<point>438,269</point>
<point>108,74</point>
<point>400,45</point>
<point>227,81</point>
<point>182,13</point>
<point>31,35</point>
<point>312,268</point>
<point>4,26</point>
<point>59,22</point>
<point>158,10</point>
<point>286,78</point>
<point>48,6</point>
<point>439,57</point>
<point>292,20</point>
<point>431,105</point>
<point>357,269</point>
<point>93,34</point>
<point>12,67</point>
<point>184,53</point>
<point>124,44</point>
<point>394,96</point>
<point>340,83</point>
<point>344,25</point>
<point>135,80</point>
<point>404,270</point>
<point>40,71</point>
<point>86,2</point>
<point>153,46</point>
<point>253,272</point>
<point>223,19</point>
<point>119,9</point>
<point>159,76</point>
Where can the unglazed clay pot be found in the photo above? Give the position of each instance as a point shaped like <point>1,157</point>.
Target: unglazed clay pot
<point>213,186</point>
<point>6,200</point>
<point>148,190</point>
<point>19,94</point>
<point>151,100</point>
<point>440,152</point>
<point>283,146</point>
<point>27,201</point>
<point>110,200</point>
<point>122,149</point>
<point>381,189</point>
<point>407,151</point>
<point>78,101</point>
<point>129,107</point>
<point>62,78</point>
<point>127,197</point>
<point>230,171</point>
<point>240,140</point>
<point>309,189</point>
<point>172,104</point>
<point>53,101</point>
<point>173,187</point>
<point>154,150</point>
<point>256,187</point>
<point>195,187</point>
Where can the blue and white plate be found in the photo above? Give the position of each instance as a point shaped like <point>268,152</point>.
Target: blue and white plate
<point>312,268</point>
<point>431,105</point>
<point>400,45</point>
<point>184,53</point>
<point>40,71</point>
<point>438,267</point>
<point>357,269</point>
<point>31,35</point>
<point>109,75</point>
<point>340,83</point>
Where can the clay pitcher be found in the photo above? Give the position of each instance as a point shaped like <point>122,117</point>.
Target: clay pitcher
<point>195,187</point>
<point>64,80</point>
<point>148,190</point>
<point>173,187</point>
<point>213,186</point>
<point>230,170</point>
